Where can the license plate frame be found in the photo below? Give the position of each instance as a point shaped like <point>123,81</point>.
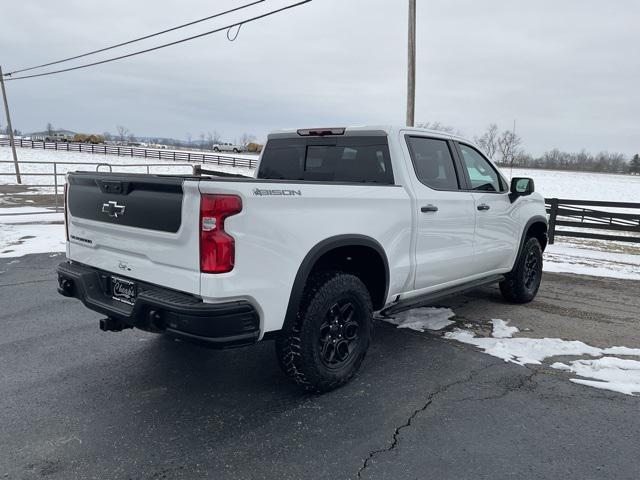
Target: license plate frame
<point>123,290</point>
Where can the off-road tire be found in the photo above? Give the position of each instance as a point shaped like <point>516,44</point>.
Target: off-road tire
<point>522,283</point>
<point>301,347</point>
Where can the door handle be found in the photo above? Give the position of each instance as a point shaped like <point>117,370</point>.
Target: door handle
<point>429,208</point>
<point>483,206</point>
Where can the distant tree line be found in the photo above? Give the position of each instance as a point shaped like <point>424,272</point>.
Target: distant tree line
<point>505,148</point>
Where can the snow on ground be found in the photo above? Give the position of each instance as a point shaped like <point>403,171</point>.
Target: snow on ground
<point>19,240</point>
<point>567,258</point>
<point>608,373</point>
<point>22,215</point>
<point>30,230</point>
<point>119,164</point>
<point>581,185</point>
<point>423,318</point>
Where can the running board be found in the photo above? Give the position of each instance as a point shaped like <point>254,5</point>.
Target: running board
<point>429,298</point>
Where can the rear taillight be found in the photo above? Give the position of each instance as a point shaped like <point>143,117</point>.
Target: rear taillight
<point>66,214</point>
<point>217,247</point>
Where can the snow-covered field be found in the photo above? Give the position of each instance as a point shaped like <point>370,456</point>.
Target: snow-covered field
<point>604,369</point>
<point>550,183</point>
<point>75,160</point>
<point>582,185</point>
<point>612,259</point>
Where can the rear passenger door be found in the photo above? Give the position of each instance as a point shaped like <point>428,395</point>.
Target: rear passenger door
<point>497,232</point>
<point>445,214</point>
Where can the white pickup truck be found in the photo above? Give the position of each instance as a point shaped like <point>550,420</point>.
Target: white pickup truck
<point>337,224</point>
<point>228,147</point>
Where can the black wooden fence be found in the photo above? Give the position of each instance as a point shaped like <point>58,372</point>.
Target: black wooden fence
<point>130,151</point>
<point>579,214</point>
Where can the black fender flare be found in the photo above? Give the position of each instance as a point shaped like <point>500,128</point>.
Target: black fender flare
<point>326,245</point>
<point>523,236</point>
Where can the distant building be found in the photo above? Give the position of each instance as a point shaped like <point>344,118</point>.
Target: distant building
<point>53,136</point>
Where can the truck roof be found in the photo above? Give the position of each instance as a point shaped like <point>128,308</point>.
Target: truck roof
<point>368,130</point>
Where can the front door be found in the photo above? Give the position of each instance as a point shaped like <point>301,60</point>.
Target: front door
<point>497,232</point>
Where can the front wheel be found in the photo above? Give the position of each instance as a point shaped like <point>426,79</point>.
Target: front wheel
<point>327,343</point>
<point>522,283</point>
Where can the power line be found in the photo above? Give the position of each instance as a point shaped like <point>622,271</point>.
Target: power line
<point>8,74</point>
<point>227,27</point>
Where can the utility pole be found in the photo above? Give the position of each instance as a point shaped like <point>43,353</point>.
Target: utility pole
<point>11,139</point>
<point>411,74</point>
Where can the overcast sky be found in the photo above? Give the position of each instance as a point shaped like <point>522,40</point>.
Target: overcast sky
<point>568,71</point>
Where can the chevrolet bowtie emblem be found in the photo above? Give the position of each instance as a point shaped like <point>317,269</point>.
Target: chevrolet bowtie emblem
<point>113,209</point>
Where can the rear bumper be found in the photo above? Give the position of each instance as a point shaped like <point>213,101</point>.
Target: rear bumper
<point>216,325</point>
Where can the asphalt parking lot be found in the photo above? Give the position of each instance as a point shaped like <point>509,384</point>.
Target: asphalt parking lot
<point>80,403</point>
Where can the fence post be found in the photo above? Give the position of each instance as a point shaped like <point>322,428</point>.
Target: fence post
<point>552,220</point>
<point>55,183</point>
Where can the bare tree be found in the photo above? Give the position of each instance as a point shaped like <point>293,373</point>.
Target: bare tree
<point>213,138</point>
<point>508,144</point>
<point>131,137</point>
<point>123,133</point>
<point>634,165</point>
<point>489,141</point>
<point>439,127</point>
<point>246,139</point>
<point>189,138</point>
<point>50,129</point>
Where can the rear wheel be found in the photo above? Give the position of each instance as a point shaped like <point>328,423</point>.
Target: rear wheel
<point>522,283</point>
<point>328,341</point>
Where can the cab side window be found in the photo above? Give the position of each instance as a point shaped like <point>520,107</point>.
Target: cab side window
<point>433,163</point>
<point>481,173</point>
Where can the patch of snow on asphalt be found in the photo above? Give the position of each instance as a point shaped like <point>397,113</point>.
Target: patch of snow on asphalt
<point>424,318</point>
<point>31,231</point>
<point>19,240</point>
<point>501,329</point>
<point>522,350</point>
<point>609,373</point>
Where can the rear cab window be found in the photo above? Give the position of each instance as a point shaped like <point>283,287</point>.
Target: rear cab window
<point>349,159</point>
<point>433,162</point>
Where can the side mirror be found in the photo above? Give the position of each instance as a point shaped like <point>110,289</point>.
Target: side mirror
<point>520,187</point>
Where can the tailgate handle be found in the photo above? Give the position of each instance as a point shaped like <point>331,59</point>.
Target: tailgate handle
<point>111,186</point>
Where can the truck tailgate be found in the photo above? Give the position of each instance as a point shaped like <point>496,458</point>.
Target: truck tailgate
<point>141,227</point>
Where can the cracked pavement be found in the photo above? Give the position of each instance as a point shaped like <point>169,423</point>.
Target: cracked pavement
<point>80,403</point>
